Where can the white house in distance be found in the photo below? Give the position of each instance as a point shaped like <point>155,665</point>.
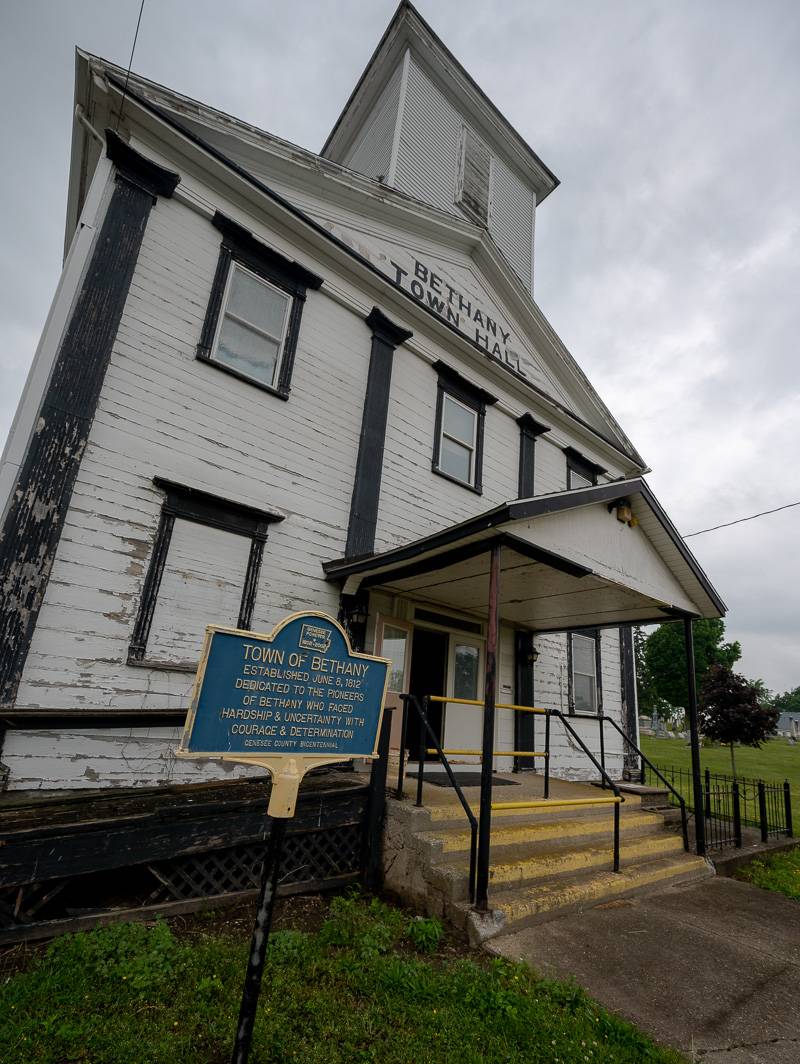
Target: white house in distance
<point>274,380</point>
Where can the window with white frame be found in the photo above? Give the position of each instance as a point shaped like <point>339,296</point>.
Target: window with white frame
<point>252,321</point>
<point>458,434</point>
<point>252,327</point>
<point>584,695</point>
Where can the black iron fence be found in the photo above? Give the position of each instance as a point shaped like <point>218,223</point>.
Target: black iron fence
<point>730,803</point>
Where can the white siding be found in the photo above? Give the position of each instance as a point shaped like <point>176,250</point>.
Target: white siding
<point>203,577</point>
<point>511,218</point>
<point>372,151</point>
<point>427,161</point>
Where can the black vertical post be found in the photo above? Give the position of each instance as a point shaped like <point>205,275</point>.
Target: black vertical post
<point>616,836</point>
<point>403,731</point>
<point>708,793</point>
<point>524,723</point>
<point>694,733</point>
<point>602,752</point>
<point>737,816</point>
<point>787,805</point>
<point>373,837</point>
<point>422,751</point>
<point>490,680</point>
<point>762,810</point>
<point>547,755</point>
<point>258,944</point>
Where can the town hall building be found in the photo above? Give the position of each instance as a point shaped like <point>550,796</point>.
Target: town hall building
<point>275,380</point>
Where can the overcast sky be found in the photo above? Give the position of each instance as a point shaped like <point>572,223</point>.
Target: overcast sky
<point>667,260</point>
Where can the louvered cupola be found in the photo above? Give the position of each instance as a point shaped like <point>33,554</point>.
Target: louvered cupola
<point>417,121</point>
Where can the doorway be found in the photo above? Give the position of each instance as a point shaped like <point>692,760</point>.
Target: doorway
<point>429,661</point>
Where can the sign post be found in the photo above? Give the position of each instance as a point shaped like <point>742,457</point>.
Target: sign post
<point>289,701</point>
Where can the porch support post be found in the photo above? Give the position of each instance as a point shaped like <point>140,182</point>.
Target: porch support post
<point>490,681</point>
<point>699,808</point>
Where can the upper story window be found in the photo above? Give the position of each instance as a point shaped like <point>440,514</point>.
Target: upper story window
<point>474,177</point>
<point>253,318</point>
<point>581,471</point>
<point>584,673</point>
<point>252,329</point>
<point>458,434</point>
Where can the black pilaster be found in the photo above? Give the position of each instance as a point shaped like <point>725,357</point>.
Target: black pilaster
<point>46,478</point>
<point>524,723</point>
<point>529,429</point>
<point>386,336</point>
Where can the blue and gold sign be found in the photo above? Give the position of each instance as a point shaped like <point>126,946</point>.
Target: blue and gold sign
<point>299,693</point>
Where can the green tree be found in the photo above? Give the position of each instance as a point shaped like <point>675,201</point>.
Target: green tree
<point>730,710</point>
<point>788,702</point>
<point>664,658</point>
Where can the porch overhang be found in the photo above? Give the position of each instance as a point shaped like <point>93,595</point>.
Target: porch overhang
<point>569,562</point>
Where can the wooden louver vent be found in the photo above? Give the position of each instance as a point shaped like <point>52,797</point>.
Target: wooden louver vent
<point>474,175</point>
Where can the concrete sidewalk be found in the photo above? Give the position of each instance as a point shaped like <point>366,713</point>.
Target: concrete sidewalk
<point>712,968</point>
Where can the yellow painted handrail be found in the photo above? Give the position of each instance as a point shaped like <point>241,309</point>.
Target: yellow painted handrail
<point>479,702</point>
<point>550,803</point>
<point>497,753</point>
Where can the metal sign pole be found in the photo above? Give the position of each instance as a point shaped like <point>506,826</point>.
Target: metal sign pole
<point>258,944</point>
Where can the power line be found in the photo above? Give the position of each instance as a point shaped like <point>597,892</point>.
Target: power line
<point>130,64</point>
<point>741,520</point>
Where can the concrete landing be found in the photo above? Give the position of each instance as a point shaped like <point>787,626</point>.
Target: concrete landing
<point>712,968</point>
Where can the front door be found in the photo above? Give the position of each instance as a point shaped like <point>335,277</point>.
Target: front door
<point>464,724</point>
<point>429,662</point>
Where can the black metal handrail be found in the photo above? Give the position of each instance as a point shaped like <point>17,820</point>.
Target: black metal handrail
<point>473,820</point>
<point>646,761</point>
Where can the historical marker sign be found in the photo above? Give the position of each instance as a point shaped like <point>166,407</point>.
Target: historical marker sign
<point>291,700</point>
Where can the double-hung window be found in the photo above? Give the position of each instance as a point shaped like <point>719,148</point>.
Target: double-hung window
<point>253,317</point>
<point>584,673</point>
<point>581,471</point>
<point>458,434</point>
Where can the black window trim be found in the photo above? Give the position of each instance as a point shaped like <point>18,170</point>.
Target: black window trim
<point>529,431</point>
<point>583,466</point>
<point>596,635</point>
<point>239,246</point>
<point>203,508</point>
<point>457,387</point>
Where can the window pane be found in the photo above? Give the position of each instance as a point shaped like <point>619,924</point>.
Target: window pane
<point>583,658</point>
<point>257,303</point>
<point>458,421</point>
<point>247,351</point>
<point>394,647</point>
<point>584,694</point>
<point>578,480</point>
<point>465,678</point>
<point>455,460</point>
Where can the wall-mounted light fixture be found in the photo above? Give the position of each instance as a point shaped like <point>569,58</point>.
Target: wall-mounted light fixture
<point>624,512</point>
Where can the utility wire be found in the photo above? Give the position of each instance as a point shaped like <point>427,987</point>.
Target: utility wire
<point>130,64</point>
<point>741,520</point>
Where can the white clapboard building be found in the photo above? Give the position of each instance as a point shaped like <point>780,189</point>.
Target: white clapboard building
<point>276,380</point>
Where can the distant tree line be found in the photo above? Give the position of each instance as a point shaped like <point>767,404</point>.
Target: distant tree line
<point>732,709</point>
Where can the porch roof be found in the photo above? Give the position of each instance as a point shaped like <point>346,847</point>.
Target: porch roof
<point>567,563</point>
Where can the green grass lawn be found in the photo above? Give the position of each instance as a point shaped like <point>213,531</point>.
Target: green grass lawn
<point>372,985</point>
<point>774,761</point>
<point>779,872</point>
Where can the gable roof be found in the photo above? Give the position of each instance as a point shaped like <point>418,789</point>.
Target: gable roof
<point>518,525</point>
<point>408,29</point>
<point>170,108</point>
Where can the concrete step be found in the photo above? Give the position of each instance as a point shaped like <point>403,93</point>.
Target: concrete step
<point>451,876</point>
<point>530,832</point>
<point>517,907</point>
<point>441,815</point>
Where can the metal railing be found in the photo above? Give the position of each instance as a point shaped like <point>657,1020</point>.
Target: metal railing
<point>412,700</point>
<point>421,709</point>
<point>731,802</point>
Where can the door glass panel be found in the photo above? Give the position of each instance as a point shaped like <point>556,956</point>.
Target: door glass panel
<point>465,674</point>
<point>394,646</point>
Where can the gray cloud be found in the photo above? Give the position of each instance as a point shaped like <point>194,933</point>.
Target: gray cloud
<point>667,259</point>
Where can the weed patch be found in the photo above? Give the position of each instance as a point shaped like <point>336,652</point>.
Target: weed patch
<point>779,872</point>
<point>367,987</point>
